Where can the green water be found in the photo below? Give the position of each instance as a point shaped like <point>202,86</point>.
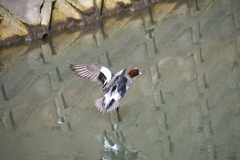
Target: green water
<point>184,106</point>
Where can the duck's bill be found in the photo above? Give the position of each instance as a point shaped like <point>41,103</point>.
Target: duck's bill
<point>140,73</point>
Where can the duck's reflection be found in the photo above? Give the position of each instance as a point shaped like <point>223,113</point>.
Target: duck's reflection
<point>119,117</point>
<point>114,149</point>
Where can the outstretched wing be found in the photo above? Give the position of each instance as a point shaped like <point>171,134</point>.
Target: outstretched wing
<point>92,72</point>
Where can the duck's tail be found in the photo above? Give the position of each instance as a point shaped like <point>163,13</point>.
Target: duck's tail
<point>110,107</point>
<point>98,104</point>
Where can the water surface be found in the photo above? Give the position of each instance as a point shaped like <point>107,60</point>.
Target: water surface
<point>185,105</point>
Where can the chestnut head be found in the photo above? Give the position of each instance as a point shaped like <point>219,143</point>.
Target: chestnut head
<point>134,72</point>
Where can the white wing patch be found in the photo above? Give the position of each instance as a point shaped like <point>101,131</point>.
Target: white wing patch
<point>107,73</point>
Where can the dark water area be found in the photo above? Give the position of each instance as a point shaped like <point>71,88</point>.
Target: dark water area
<point>184,106</point>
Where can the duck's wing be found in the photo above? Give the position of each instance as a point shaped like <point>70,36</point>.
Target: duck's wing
<point>116,79</point>
<point>92,72</point>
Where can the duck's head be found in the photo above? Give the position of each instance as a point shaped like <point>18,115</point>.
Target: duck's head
<point>134,72</point>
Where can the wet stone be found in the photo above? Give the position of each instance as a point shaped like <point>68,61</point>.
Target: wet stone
<point>61,42</point>
<point>112,26</point>
<point>46,52</point>
<point>155,75</point>
<point>237,20</point>
<point>163,128</point>
<point>2,98</point>
<point>88,40</point>
<point>199,71</point>
<point>150,48</point>
<point>54,80</point>
<point>204,107</point>
<point>182,11</point>
<point>225,28</point>
<point>167,146</point>
<point>139,54</point>
<point>100,37</point>
<point>104,60</point>
<point>238,44</point>
<point>49,114</point>
<point>59,106</point>
<point>40,87</point>
<point>182,45</point>
<point>6,121</point>
<point>196,33</point>
<point>148,20</point>
<point>208,23</point>
<point>160,11</point>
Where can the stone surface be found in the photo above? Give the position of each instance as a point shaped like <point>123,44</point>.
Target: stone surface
<point>54,80</point>
<point>41,16</point>
<point>64,14</point>
<point>10,56</point>
<point>161,10</point>
<point>60,45</point>
<point>27,11</point>
<point>86,7</point>
<point>46,13</point>
<point>46,53</point>
<point>237,20</point>
<point>196,33</point>
<point>110,6</point>
<point>10,26</point>
<point>112,26</point>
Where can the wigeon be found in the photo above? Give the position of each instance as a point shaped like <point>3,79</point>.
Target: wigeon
<point>114,86</point>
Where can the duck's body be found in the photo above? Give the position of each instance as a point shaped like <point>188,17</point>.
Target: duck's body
<point>114,86</point>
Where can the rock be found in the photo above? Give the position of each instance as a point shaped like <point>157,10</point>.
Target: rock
<point>110,6</point>
<point>115,6</point>
<point>42,16</point>
<point>46,12</point>
<point>138,4</point>
<point>237,20</point>
<point>84,6</point>
<point>160,11</point>
<point>98,6</point>
<point>27,11</point>
<point>9,56</point>
<point>63,13</point>
<point>62,42</point>
<point>1,17</point>
<point>10,27</point>
<point>112,26</point>
<point>46,53</point>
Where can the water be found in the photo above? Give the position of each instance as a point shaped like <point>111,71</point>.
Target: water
<point>185,105</point>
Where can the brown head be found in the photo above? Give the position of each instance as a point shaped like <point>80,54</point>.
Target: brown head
<point>134,72</point>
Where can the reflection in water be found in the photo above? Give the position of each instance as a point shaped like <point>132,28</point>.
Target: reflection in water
<point>114,149</point>
<point>185,105</point>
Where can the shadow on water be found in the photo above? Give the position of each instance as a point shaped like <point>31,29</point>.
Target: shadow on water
<point>185,105</point>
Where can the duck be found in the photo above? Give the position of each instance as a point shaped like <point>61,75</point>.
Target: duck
<point>114,86</point>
